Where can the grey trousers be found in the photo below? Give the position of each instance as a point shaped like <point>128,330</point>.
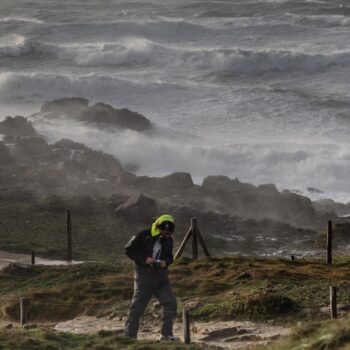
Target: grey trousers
<point>148,283</point>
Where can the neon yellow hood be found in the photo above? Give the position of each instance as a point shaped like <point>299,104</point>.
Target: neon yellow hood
<point>155,230</point>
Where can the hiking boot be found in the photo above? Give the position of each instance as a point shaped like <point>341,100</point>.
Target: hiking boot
<point>168,338</point>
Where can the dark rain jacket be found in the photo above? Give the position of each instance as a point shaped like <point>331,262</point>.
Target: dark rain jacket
<point>140,247</point>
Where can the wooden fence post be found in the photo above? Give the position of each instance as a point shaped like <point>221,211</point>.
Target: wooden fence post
<point>194,239</point>
<point>196,236</point>
<point>329,242</point>
<point>33,258</point>
<point>183,244</point>
<point>23,302</point>
<point>69,235</point>
<point>186,326</point>
<point>333,301</point>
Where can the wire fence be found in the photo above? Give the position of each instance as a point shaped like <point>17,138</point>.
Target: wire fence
<point>307,294</point>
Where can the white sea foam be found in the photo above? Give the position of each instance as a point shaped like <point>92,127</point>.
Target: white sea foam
<point>21,19</point>
<point>136,51</point>
<point>45,86</point>
<point>320,20</point>
<point>209,74</point>
<point>13,45</point>
<point>263,61</point>
<point>287,163</point>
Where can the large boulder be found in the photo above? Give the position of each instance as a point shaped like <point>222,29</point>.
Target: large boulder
<point>69,107</point>
<point>224,185</point>
<point>78,159</point>
<point>138,208</point>
<point>265,201</point>
<point>105,115</point>
<point>167,184</point>
<point>70,145</point>
<point>177,180</point>
<point>17,127</point>
<point>100,114</point>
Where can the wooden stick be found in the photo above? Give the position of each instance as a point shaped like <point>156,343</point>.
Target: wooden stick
<point>329,242</point>
<point>194,239</point>
<point>69,235</point>
<point>202,242</point>
<point>183,243</point>
<point>33,258</point>
<point>23,302</point>
<point>333,301</point>
<point>186,326</point>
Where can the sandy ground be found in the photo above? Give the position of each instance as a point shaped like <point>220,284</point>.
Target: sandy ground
<point>227,335</point>
<point>8,258</point>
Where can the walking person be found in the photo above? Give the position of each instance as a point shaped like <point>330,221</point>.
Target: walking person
<point>152,252</point>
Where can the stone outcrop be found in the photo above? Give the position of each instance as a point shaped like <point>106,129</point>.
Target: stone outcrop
<point>17,127</point>
<point>5,156</point>
<point>70,107</point>
<point>138,208</point>
<point>33,148</point>
<point>68,167</point>
<point>174,182</point>
<point>104,114</point>
<point>100,114</point>
<point>264,201</point>
<point>329,206</point>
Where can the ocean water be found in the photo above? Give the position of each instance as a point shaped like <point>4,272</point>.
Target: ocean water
<point>252,89</point>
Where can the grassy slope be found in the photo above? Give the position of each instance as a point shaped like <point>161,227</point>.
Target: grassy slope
<point>323,335</point>
<point>228,288</point>
<point>31,224</point>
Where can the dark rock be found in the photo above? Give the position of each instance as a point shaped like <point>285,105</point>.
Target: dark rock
<point>5,156</point>
<point>223,184</point>
<point>100,114</point>
<point>265,201</point>
<point>104,114</point>
<point>170,183</point>
<point>268,189</point>
<point>70,145</point>
<point>17,127</point>
<point>177,180</point>
<point>138,208</point>
<point>220,333</point>
<point>69,107</point>
<point>32,147</point>
<point>243,276</point>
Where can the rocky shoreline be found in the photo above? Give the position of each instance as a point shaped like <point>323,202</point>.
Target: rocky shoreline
<point>243,217</point>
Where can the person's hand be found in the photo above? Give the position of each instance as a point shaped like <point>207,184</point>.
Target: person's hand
<point>162,263</point>
<point>149,261</point>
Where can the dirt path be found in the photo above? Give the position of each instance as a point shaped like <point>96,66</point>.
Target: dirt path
<point>227,335</point>
<point>7,258</point>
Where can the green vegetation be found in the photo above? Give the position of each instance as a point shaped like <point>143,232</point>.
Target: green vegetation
<point>261,306</point>
<point>325,335</point>
<point>228,288</point>
<point>34,224</point>
<point>39,339</point>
